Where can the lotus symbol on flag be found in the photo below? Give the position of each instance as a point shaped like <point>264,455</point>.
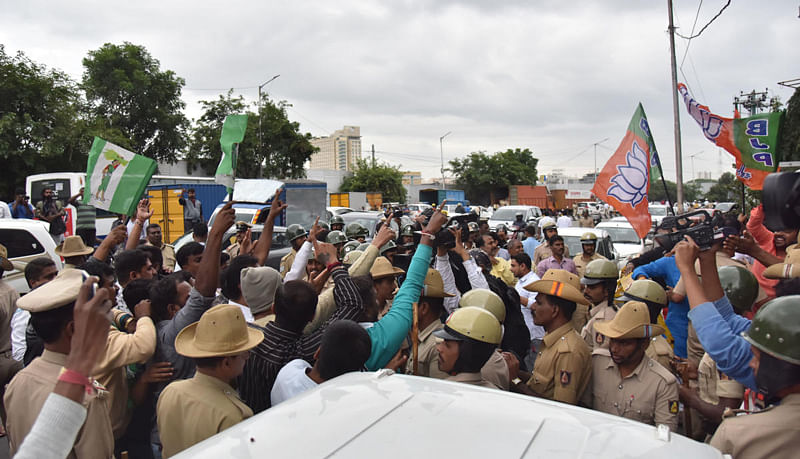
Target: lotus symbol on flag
<point>630,183</point>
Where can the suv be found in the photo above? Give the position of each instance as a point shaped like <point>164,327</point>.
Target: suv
<point>25,240</point>
<point>506,215</point>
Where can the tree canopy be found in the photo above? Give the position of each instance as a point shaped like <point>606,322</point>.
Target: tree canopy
<point>280,151</point>
<point>480,173</point>
<point>789,142</point>
<point>41,128</point>
<point>378,177</point>
<point>133,103</point>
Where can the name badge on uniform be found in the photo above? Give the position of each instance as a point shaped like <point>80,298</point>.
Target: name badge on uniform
<point>673,406</point>
<point>566,377</point>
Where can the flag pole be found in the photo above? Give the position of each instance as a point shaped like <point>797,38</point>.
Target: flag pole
<point>664,183</point>
<point>234,157</point>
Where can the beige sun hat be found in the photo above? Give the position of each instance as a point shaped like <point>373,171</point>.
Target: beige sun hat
<point>434,286</point>
<point>60,291</point>
<point>220,332</point>
<point>789,269</point>
<point>4,261</point>
<point>560,283</point>
<point>632,321</point>
<point>383,268</point>
<point>73,246</point>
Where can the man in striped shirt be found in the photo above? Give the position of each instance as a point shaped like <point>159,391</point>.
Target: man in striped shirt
<point>85,222</point>
<point>295,306</point>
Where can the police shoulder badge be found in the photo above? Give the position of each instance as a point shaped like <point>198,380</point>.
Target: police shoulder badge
<point>673,406</point>
<point>566,377</point>
<point>599,338</point>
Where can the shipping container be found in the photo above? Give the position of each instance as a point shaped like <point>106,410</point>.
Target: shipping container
<point>356,200</point>
<point>564,199</point>
<point>527,195</point>
<point>374,200</point>
<point>167,210</point>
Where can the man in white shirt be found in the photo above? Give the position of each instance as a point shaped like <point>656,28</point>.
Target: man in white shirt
<point>521,268</point>
<point>345,347</point>
<point>563,221</point>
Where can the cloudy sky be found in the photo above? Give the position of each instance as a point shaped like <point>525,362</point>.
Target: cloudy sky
<point>548,75</point>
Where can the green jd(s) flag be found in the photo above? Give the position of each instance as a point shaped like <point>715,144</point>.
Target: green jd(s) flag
<point>232,133</point>
<point>115,177</point>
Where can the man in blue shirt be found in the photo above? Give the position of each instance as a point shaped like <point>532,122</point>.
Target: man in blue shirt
<point>677,320</point>
<point>21,208</point>
<point>530,243</point>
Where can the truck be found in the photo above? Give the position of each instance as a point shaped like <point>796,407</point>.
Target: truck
<point>356,200</point>
<point>435,196</point>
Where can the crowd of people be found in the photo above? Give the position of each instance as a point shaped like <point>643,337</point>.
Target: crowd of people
<point>135,348</point>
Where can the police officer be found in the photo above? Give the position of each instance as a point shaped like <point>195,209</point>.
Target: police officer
<point>297,235</point>
<point>429,312</point>
<point>241,231</point>
<point>349,247</point>
<point>562,368</point>
<point>626,382</point>
<point>155,238</point>
<point>338,239</point>
<point>388,250</point>
<point>474,234</point>
<point>407,235</point>
<point>599,285</point>
<point>470,337</point>
<point>589,254</point>
<point>219,343</point>
<point>774,336</point>
<point>652,295</point>
<point>337,223</point>
<point>495,370</point>
<point>51,307</point>
<point>549,229</point>
<point>356,232</point>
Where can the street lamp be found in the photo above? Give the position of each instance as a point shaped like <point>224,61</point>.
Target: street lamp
<point>260,141</point>
<point>694,177</point>
<point>595,157</point>
<point>441,150</point>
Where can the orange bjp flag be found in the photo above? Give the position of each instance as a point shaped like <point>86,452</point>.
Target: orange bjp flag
<point>625,179</point>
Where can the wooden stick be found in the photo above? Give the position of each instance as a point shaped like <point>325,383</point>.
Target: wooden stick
<point>415,339</point>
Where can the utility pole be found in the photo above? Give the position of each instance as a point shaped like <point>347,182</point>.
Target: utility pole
<point>373,155</point>
<point>675,112</point>
<point>260,137</point>
<point>595,157</point>
<point>441,151</point>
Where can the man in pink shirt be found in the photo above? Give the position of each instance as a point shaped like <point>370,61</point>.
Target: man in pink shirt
<point>773,243</point>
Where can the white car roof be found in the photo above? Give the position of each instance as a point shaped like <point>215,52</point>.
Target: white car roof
<point>398,416</point>
<point>579,231</point>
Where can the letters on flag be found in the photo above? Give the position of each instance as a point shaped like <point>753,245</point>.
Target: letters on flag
<point>752,141</point>
<point>115,177</point>
<point>625,179</point>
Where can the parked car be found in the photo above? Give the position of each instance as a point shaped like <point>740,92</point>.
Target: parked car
<point>248,212</point>
<point>280,245</point>
<point>657,213</point>
<point>572,239</point>
<point>417,208</point>
<point>626,241</point>
<point>507,214</point>
<point>403,416</point>
<point>25,240</point>
<point>330,212</point>
<point>368,219</point>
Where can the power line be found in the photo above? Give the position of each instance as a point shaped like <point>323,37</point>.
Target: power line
<point>705,26</point>
<point>689,41</point>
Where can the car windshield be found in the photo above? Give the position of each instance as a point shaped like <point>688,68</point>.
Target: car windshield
<point>622,235</point>
<point>369,223</point>
<point>505,213</point>
<point>658,211</point>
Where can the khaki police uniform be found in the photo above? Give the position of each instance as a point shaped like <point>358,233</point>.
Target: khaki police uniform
<point>286,263</point>
<point>580,262</point>
<point>471,378</point>
<point>580,317</point>
<point>712,384</point>
<point>123,349</point>
<point>27,393</point>
<point>649,394</point>
<point>601,311</point>
<point>771,433</point>
<point>427,354</point>
<point>562,368</point>
<point>660,351</point>
<point>694,350</point>
<point>496,371</point>
<point>191,410</point>
<point>233,250</point>
<point>168,256</point>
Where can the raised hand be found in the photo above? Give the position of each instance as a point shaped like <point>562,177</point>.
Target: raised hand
<point>326,253</point>
<point>225,219</point>
<point>143,211</point>
<point>385,235</point>
<point>88,342</point>
<point>277,206</point>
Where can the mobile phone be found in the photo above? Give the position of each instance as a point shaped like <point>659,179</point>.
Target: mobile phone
<point>93,291</point>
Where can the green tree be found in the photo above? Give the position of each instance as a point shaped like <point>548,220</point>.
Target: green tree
<point>789,142</point>
<point>280,151</point>
<point>728,189</point>
<point>134,103</point>
<point>40,125</point>
<point>691,191</point>
<point>480,173</point>
<point>379,177</point>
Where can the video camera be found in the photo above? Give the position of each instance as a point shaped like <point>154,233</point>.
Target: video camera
<point>781,198</point>
<point>460,222</point>
<point>698,225</point>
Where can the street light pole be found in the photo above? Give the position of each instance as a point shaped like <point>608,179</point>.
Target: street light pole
<point>260,140</point>
<point>694,177</point>
<point>595,157</point>
<point>441,151</point>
